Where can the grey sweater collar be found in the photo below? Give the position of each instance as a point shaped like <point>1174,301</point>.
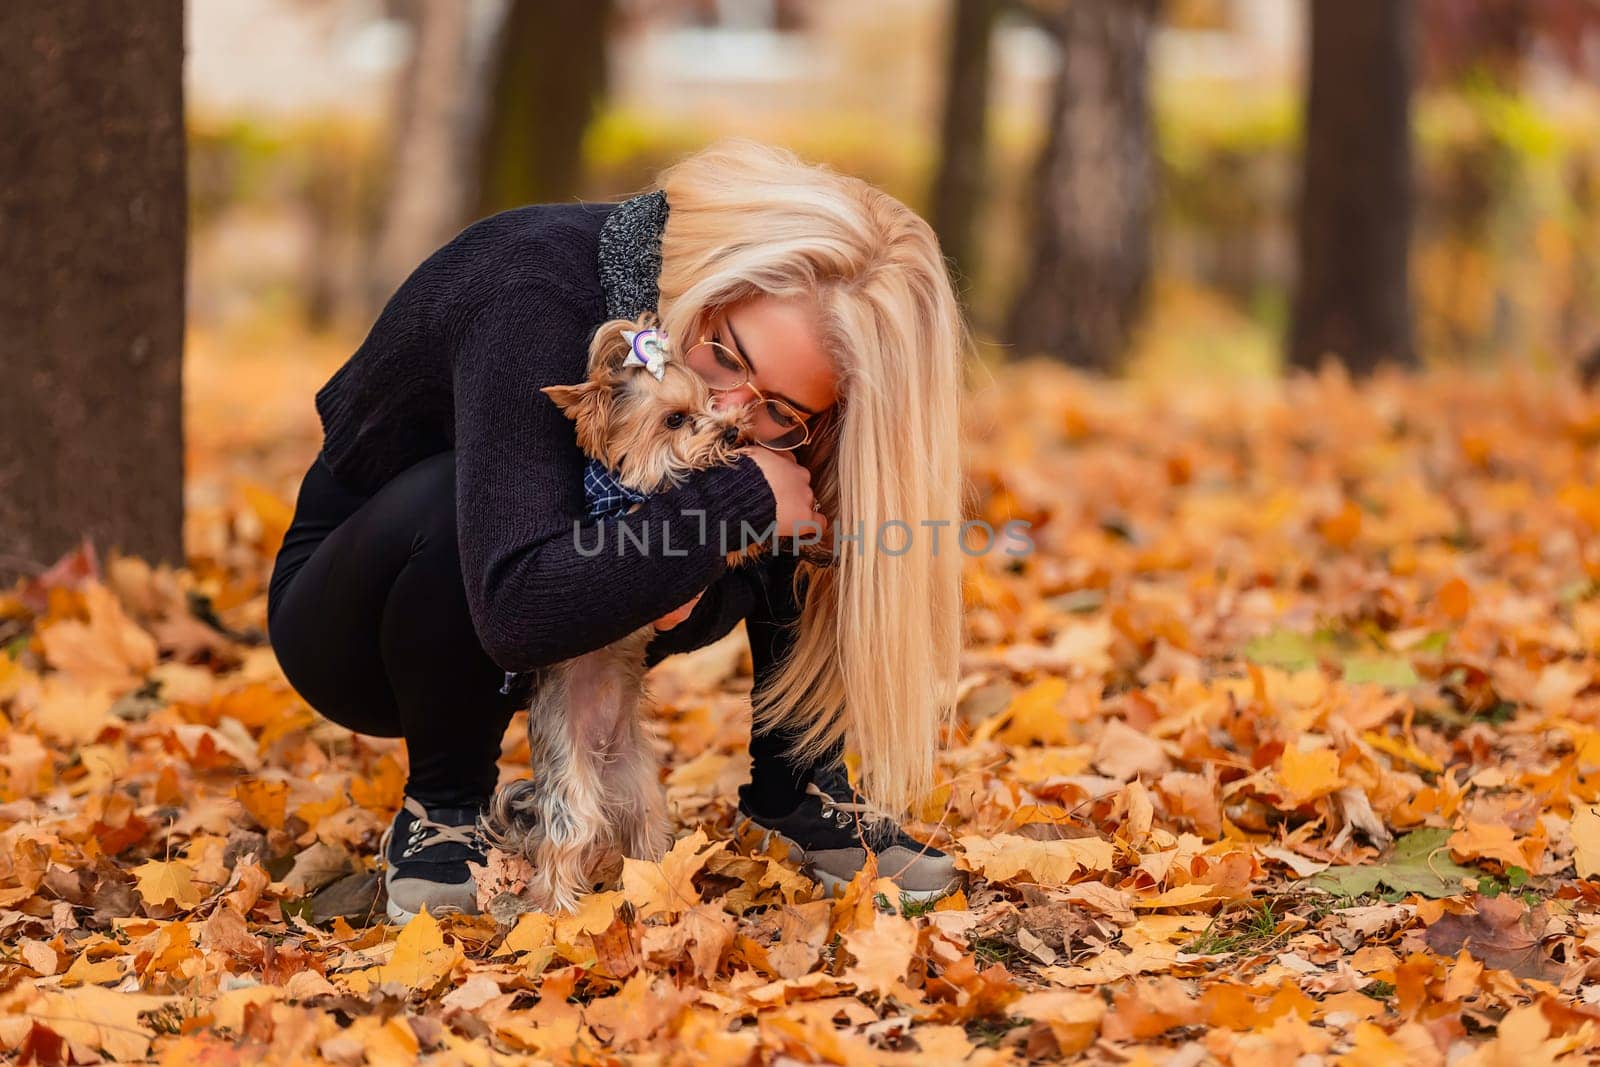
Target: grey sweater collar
<point>630,255</point>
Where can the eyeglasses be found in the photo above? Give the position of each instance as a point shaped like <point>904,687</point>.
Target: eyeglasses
<point>777,425</point>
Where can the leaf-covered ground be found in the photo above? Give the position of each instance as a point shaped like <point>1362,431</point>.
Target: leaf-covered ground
<point>1283,747</point>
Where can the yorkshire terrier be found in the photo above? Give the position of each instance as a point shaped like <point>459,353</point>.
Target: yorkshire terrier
<point>596,791</point>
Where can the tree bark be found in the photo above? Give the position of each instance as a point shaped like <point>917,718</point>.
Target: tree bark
<point>92,231</point>
<point>548,79</point>
<point>1353,297</point>
<point>958,185</point>
<point>1093,188</point>
<point>426,203</point>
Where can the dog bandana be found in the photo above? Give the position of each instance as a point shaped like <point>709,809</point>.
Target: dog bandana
<point>606,495</point>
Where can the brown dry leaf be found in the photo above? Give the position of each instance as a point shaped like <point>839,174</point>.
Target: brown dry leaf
<point>1502,934</point>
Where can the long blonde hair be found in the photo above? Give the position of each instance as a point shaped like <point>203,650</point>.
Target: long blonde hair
<point>875,657</point>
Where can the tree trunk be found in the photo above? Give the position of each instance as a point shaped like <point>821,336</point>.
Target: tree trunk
<point>426,203</point>
<point>958,186</point>
<point>1093,188</point>
<point>92,232</point>
<point>548,79</point>
<point>1353,299</point>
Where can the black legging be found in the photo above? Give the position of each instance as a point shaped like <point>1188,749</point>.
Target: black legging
<point>367,612</point>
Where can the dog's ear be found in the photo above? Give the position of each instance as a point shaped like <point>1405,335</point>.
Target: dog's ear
<point>572,399</point>
<point>588,404</point>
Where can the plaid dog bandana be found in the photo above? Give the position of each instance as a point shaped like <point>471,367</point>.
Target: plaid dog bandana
<point>606,495</point>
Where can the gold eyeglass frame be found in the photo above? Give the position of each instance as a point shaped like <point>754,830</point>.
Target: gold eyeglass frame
<point>803,420</point>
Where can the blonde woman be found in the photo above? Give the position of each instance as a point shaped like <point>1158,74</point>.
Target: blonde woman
<point>443,546</point>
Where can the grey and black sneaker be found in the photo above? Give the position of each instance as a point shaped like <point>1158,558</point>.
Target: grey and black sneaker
<point>425,853</point>
<point>829,833</point>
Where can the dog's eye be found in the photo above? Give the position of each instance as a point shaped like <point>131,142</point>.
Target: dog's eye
<point>676,420</point>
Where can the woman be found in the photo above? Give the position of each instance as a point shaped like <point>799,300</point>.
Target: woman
<point>441,548</point>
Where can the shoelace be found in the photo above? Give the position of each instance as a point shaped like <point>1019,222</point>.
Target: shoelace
<point>425,832</point>
<point>879,827</point>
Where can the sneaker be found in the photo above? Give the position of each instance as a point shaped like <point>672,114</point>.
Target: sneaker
<point>829,833</point>
<point>425,852</point>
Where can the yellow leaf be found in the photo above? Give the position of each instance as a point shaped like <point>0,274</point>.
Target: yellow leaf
<point>1073,1018</point>
<point>1182,896</point>
<point>266,800</point>
<point>88,971</point>
<point>1586,840</point>
<point>383,790</point>
<point>1008,857</point>
<point>68,711</point>
<point>1342,529</point>
<point>161,881</point>
<point>1406,750</point>
<point>274,514</point>
<point>421,958</point>
<point>882,953</point>
<point>1489,840</point>
<point>1308,775</point>
<point>534,930</point>
<point>1373,1047</point>
<point>172,946</point>
<point>109,650</point>
<point>668,886</point>
<point>1454,599</point>
<point>103,1019</point>
<point>1034,715</point>
<point>595,912</point>
<point>227,1011</point>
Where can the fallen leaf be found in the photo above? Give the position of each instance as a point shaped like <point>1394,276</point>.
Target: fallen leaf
<point>1009,857</point>
<point>421,959</point>
<point>1501,933</point>
<point>1586,840</point>
<point>160,882</point>
<point>1420,863</point>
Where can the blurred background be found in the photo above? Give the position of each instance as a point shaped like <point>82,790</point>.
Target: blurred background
<point>334,143</point>
<point>1189,191</point>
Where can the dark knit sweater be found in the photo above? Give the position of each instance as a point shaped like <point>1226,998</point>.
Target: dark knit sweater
<point>456,361</point>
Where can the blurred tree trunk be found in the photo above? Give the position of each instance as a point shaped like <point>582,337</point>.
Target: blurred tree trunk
<point>426,203</point>
<point>1093,187</point>
<point>546,82</point>
<point>92,231</point>
<point>958,185</point>
<point>1353,298</point>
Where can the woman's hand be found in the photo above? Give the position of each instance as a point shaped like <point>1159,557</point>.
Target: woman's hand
<point>791,488</point>
<point>673,618</point>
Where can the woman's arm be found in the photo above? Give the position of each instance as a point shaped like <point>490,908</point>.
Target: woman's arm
<point>535,598</point>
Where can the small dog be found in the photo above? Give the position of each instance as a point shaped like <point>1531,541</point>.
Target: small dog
<point>596,789</point>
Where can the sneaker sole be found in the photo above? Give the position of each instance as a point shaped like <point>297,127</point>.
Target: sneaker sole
<point>832,884</point>
<point>400,915</point>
